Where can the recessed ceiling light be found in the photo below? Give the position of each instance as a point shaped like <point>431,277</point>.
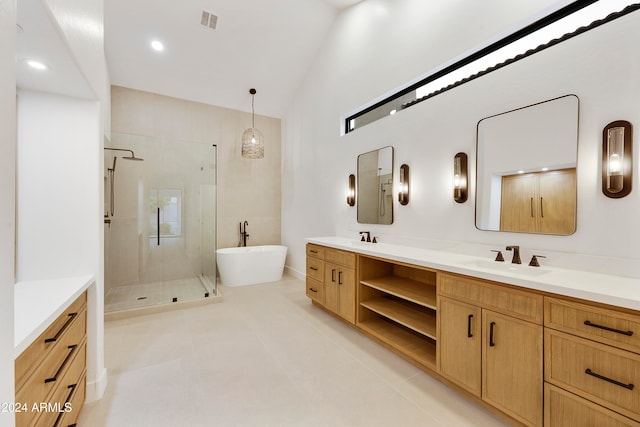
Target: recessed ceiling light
<point>36,64</point>
<point>158,46</point>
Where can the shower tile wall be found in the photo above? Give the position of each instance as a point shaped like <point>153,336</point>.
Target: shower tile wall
<point>246,189</point>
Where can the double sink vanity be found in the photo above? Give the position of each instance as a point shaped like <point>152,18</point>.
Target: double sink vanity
<point>536,345</point>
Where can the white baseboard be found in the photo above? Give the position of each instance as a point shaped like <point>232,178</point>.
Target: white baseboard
<point>96,389</point>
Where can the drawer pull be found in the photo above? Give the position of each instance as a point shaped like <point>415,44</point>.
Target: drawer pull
<point>333,275</point>
<point>64,328</point>
<point>313,290</point>
<point>602,377</point>
<point>313,251</point>
<point>491,327</point>
<point>339,277</point>
<point>606,328</point>
<point>64,363</point>
<point>313,268</point>
<point>469,334</point>
<point>72,388</point>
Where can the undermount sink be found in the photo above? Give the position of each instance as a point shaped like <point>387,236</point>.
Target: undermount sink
<point>507,267</point>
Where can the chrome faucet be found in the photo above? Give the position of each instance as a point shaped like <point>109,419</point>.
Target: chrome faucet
<point>243,234</point>
<point>516,254</point>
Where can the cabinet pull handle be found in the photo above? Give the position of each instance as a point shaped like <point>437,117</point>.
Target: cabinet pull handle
<point>313,268</point>
<point>541,210</point>
<point>339,277</point>
<point>64,328</point>
<point>606,328</point>
<point>72,388</point>
<point>333,275</point>
<point>602,377</point>
<point>532,207</point>
<point>469,334</point>
<point>313,251</point>
<point>64,363</point>
<point>491,327</point>
<point>313,290</point>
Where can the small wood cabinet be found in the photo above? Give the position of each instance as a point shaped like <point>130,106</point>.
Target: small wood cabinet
<point>397,306</point>
<point>50,375</point>
<point>592,360</point>
<point>331,280</point>
<point>543,202</point>
<point>489,344</point>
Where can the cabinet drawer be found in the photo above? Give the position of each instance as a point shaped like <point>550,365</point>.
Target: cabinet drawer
<point>315,251</point>
<point>315,290</point>
<point>521,304</point>
<point>67,386</point>
<point>343,258</point>
<point>68,419</point>
<point>602,374</point>
<point>562,408</point>
<point>47,375</point>
<point>31,357</point>
<point>599,324</point>
<point>315,269</point>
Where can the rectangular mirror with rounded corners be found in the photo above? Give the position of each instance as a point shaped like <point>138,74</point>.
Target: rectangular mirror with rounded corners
<point>375,187</point>
<point>526,168</point>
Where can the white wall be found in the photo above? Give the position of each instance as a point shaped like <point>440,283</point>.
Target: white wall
<point>60,175</point>
<point>360,62</point>
<point>7,201</point>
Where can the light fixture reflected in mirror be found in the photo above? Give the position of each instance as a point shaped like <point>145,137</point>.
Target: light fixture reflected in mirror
<point>460,181</point>
<point>616,159</point>
<point>403,193</point>
<point>351,190</point>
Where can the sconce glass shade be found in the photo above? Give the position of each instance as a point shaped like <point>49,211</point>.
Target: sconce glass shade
<point>252,138</point>
<point>351,190</point>
<point>460,178</point>
<point>252,144</point>
<point>616,159</point>
<point>403,193</point>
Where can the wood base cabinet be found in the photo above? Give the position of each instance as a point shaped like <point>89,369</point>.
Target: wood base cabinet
<point>331,280</point>
<point>592,360</point>
<point>493,355</point>
<point>50,373</point>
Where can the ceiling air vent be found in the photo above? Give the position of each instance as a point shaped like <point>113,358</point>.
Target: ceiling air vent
<point>209,20</point>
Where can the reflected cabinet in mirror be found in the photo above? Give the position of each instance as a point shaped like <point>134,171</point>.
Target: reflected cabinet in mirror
<point>526,169</point>
<point>375,187</point>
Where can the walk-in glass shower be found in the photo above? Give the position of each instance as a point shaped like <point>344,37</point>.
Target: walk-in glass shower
<point>160,218</point>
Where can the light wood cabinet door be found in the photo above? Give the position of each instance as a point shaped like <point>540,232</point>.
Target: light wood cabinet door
<point>518,204</point>
<point>557,202</point>
<point>331,287</point>
<point>512,379</point>
<point>347,294</point>
<point>460,344</point>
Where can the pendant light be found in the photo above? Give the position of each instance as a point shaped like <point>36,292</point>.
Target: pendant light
<point>252,139</point>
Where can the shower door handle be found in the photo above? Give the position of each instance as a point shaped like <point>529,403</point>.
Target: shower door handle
<point>158,225</point>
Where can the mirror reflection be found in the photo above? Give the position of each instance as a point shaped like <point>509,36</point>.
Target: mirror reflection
<point>526,169</point>
<point>375,187</point>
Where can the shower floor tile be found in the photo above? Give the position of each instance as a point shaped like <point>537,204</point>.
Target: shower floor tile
<point>264,357</point>
<point>149,294</point>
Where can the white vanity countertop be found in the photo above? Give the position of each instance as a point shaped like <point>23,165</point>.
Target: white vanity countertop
<point>607,289</point>
<point>38,303</point>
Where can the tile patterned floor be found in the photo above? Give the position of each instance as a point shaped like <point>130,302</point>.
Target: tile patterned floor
<point>148,294</point>
<point>264,357</point>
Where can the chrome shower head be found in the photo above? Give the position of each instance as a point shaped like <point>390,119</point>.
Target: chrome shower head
<point>133,157</point>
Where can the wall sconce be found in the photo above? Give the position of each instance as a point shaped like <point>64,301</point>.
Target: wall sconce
<point>460,181</point>
<point>616,159</point>
<point>403,194</point>
<point>351,190</point>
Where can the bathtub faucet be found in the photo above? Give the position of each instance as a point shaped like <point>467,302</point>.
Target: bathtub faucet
<point>243,234</point>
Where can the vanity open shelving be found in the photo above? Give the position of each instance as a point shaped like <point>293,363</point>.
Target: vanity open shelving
<point>397,305</point>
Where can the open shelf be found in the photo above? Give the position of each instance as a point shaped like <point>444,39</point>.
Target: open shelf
<point>417,347</point>
<point>407,289</point>
<point>409,315</point>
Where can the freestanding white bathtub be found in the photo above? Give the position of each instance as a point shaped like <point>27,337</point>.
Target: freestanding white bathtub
<point>250,265</point>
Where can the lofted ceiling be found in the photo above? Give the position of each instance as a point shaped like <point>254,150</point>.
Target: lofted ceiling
<point>265,44</point>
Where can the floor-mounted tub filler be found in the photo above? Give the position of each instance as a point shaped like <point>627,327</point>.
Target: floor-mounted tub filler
<point>250,265</point>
